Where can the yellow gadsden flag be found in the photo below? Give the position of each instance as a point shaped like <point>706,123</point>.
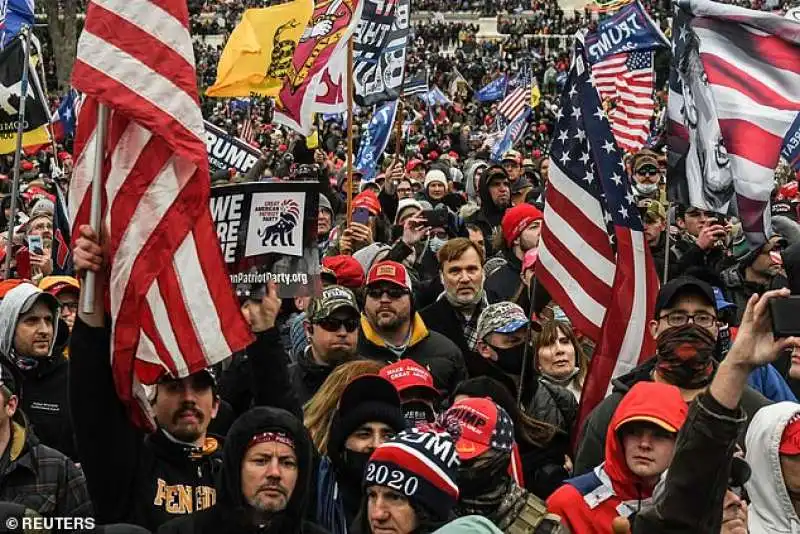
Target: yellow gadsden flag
<point>536,95</point>
<point>258,53</point>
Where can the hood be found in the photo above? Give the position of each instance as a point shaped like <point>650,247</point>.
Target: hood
<point>366,256</point>
<point>469,177</point>
<point>652,399</point>
<point>11,308</point>
<point>255,421</point>
<point>791,262</point>
<point>469,524</point>
<point>487,205</point>
<point>771,510</point>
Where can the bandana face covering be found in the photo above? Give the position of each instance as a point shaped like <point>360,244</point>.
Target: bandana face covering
<point>418,413</point>
<point>685,356</point>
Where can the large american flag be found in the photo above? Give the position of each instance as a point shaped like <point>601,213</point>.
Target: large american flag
<point>515,102</point>
<point>627,80</point>
<point>593,257</point>
<point>743,69</point>
<point>171,304</point>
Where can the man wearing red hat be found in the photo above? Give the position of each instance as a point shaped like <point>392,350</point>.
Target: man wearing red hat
<point>521,226</point>
<point>360,234</point>
<point>419,398</point>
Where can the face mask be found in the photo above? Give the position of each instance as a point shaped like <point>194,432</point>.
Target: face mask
<point>436,243</point>
<point>418,413</point>
<point>477,480</point>
<point>510,360</point>
<point>646,189</point>
<point>353,466</point>
<point>685,356</point>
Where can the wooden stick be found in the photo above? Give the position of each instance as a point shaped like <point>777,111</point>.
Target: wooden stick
<point>398,132</point>
<point>349,132</point>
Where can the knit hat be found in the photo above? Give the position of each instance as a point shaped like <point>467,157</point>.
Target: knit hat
<point>501,317</point>
<point>389,271</point>
<point>404,204</point>
<point>347,270</point>
<point>366,398</point>
<point>484,426</point>
<point>517,219</point>
<point>422,466</point>
<point>325,204</point>
<point>43,207</point>
<point>435,175</point>
<point>366,256</point>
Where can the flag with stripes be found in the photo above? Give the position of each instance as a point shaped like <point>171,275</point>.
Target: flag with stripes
<point>515,102</point>
<point>738,77</point>
<point>246,132</point>
<point>593,257</point>
<point>416,84</point>
<point>626,82</point>
<point>170,300</point>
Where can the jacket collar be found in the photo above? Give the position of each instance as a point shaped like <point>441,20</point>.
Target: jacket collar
<point>418,331</point>
<point>179,451</point>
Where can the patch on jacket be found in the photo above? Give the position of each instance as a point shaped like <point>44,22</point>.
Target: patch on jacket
<point>182,499</point>
<point>48,407</point>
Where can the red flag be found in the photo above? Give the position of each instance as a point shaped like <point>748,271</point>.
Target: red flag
<point>171,304</point>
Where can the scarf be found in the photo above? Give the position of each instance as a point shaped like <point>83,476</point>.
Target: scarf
<point>685,356</point>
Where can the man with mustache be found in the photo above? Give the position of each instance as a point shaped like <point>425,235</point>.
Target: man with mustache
<point>266,478</point>
<point>392,330</point>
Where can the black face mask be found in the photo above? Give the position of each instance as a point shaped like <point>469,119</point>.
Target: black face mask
<point>418,412</point>
<point>353,466</point>
<point>510,360</point>
<point>477,480</point>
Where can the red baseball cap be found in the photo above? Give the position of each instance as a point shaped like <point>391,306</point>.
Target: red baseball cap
<point>367,199</point>
<point>389,271</point>
<point>517,219</point>
<point>484,426</point>
<point>346,269</point>
<point>407,374</point>
<point>790,441</point>
<point>413,164</point>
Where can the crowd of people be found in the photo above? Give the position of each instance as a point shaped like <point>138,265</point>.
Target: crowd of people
<point>428,384</point>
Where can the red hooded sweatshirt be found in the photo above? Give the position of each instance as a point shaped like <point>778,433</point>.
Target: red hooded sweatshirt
<point>589,503</point>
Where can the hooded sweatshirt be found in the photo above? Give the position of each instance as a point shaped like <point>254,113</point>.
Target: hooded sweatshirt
<point>589,503</point>
<point>231,513</point>
<point>10,310</point>
<point>771,510</point>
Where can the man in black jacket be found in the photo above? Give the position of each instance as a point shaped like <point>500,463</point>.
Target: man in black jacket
<point>267,468</point>
<point>522,226</point>
<point>150,479</point>
<point>685,319</point>
<point>495,194</point>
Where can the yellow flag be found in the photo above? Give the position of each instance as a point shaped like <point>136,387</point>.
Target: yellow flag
<point>312,141</point>
<point>258,53</point>
<point>536,95</point>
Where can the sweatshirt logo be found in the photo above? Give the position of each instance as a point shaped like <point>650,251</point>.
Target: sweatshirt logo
<point>184,499</point>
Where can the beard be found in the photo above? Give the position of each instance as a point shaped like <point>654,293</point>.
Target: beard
<point>392,322</point>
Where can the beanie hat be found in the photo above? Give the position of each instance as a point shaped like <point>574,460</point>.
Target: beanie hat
<point>517,219</point>
<point>404,204</point>
<point>366,398</point>
<point>325,204</point>
<point>422,466</point>
<point>435,175</point>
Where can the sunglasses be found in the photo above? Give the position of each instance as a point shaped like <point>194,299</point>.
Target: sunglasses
<point>647,171</point>
<point>393,292</point>
<point>331,324</point>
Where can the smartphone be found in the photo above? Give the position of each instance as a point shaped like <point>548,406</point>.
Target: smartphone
<point>35,244</point>
<point>435,218</point>
<point>361,215</point>
<point>785,314</point>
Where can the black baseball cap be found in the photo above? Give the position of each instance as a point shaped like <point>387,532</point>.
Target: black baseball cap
<point>680,286</point>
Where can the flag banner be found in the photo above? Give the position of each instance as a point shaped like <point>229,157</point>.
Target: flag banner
<point>513,133</point>
<point>494,90</point>
<point>517,100</point>
<point>267,231</point>
<point>258,53</point>
<point>172,309</point>
<point>228,152</point>
<point>63,122</point>
<point>435,97</point>
<point>309,79</point>
<point>791,145</point>
<point>13,15</point>
<point>12,60</point>
<point>631,28</point>
<point>374,139</point>
<point>416,84</point>
<point>739,78</point>
<point>593,256</point>
<point>379,51</point>
<point>61,252</point>
<point>536,94</point>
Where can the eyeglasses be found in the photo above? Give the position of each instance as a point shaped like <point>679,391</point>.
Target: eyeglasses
<point>648,171</point>
<point>680,318</point>
<point>71,306</point>
<point>393,292</point>
<point>441,234</point>
<point>331,324</point>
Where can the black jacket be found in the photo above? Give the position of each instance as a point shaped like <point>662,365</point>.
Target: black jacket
<point>441,317</point>
<point>307,376</point>
<point>232,514</point>
<point>591,446</point>
<point>504,283</point>
<point>689,256</point>
<point>738,290</point>
<point>488,218</point>
<point>137,478</point>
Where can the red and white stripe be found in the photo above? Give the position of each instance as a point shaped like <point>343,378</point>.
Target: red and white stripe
<point>247,130</point>
<point>514,103</point>
<point>171,304</point>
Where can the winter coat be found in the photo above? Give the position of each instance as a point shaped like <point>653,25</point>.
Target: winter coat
<point>689,256</point>
<point>504,283</point>
<point>307,375</point>
<point>589,503</point>
<point>738,290</point>
<point>441,317</point>
<point>691,499</point>
<point>488,218</point>
<point>429,349</point>
<point>771,510</point>
<point>469,524</point>
<point>592,440</point>
<point>769,382</point>
<point>230,515</point>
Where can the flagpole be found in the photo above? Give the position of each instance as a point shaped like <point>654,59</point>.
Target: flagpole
<point>666,248</point>
<point>88,286</point>
<point>349,135</point>
<point>398,133</point>
<point>23,98</point>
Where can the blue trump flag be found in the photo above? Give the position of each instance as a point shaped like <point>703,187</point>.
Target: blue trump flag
<point>374,140</point>
<point>512,134</point>
<point>494,90</point>
<point>790,150</point>
<point>435,97</point>
<point>13,15</point>
<point>631,28</point>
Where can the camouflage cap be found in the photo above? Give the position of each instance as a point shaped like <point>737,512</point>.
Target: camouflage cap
<point>501,317</point>
<point>331,299</point>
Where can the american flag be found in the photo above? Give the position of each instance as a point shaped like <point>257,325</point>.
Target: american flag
<point>171,304</point>
<point>627,80</point>
<point>593,257</point>
<point>739,81</point>
<point>416,84</point>
<point>246,132</point>
<point>515,102</point>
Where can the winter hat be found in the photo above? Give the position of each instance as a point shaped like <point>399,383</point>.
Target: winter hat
<point>434,175</point>
<point>517,219</point>
<point>43,207</point>
<point>325,204</point>
<point>422,466</point>
<point>366,256</point>
<point>366,398</point>
<point>405,204</point>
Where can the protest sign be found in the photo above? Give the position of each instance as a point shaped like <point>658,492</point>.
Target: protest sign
<point>268,231</point>
<point>228,152</point>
